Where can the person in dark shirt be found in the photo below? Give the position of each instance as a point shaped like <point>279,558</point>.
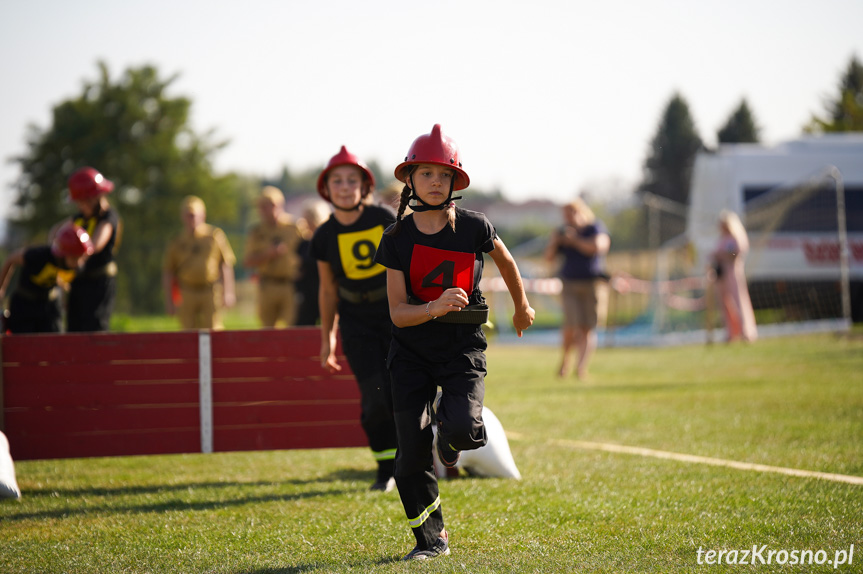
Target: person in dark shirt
<point>92,292</point>
<point>434,261</point>
<point>353,299</point>
<point>307,285</point>
<point>583,242</point>
<point>34,304</point>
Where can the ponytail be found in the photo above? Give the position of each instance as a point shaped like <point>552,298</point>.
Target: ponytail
<point>404,199</point>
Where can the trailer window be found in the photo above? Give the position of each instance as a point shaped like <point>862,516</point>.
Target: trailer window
<point>807,211</point>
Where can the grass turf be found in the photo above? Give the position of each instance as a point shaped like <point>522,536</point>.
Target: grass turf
<point>792,402</point>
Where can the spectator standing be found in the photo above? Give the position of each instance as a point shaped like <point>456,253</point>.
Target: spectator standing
<point>271,249</point>
<point>582,241</point>
<point>729,275</point>
<point>198,270</point>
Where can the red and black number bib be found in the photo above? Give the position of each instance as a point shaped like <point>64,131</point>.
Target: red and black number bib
<point>433,271</point>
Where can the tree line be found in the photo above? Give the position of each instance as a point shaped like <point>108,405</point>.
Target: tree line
<point>137,135</point>
<point>671,157</point>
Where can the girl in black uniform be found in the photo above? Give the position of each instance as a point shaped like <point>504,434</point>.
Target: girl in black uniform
<point>353,298</point>
<point>434,260</point>
<point>34,305</point>
<point>92,293</point>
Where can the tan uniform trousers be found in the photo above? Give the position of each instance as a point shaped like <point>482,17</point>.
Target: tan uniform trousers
<point>276,301</point>
<point>200,306</point>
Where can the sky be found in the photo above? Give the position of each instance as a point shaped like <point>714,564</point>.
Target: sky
<point>546,99</point>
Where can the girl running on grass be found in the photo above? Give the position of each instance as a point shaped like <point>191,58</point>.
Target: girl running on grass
<point>353,298</point>
<point>434,260</point>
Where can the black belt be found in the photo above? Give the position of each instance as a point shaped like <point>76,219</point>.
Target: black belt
<point>39,296</point>
<point>358,297</point>
<point>471,315</point>
<point>107,270</point>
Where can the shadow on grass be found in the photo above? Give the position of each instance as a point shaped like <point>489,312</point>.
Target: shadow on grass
<point>173,505</point>
<point>72,494</point>
<point>348,475</point>
<point>362,566</point>
<point>342,475</point>
<point>151,488</point>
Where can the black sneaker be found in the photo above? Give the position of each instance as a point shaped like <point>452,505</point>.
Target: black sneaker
<point>439,548</point>
<point>448,455</point>
<point>384,485</point>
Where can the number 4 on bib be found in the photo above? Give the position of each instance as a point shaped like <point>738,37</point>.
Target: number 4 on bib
<point>435,270</point>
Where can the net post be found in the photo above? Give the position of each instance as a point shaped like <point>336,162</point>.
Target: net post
<point>844,271</point>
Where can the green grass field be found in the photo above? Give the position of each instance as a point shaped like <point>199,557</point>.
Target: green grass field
<point>793,402</point>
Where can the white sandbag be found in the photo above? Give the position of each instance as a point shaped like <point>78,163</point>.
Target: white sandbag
<point>8,484</point>
<point>494,460</point>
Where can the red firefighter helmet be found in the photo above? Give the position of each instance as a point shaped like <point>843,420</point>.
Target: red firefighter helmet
<point>71,241</point>
<point>344,157</point>
<point>86,183</point>
<point>435,148</point>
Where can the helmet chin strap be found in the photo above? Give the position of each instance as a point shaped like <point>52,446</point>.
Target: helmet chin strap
<point>427,207</point>
<point>349,209</point>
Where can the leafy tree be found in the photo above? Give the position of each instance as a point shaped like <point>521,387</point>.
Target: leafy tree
<point>740,127</point>
<point>668,168</point>
<point>138,137</point>
<point>845,112</point>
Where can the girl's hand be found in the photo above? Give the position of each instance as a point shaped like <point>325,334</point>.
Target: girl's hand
<point>453,299</point>
<point>331,364</point>
<point>328,359</point>
<point>523,319</point>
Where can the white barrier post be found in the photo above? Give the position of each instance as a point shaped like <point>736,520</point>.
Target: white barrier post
<point>205,390</point>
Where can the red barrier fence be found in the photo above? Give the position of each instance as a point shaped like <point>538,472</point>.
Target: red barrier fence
<point>105,394</point>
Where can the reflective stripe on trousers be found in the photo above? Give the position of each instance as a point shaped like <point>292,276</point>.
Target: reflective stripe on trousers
<point>380,455</point>
<point>418,521</point>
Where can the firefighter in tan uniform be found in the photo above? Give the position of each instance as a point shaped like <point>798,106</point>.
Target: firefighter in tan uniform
<point>271,249</point>
<point>199,267</point>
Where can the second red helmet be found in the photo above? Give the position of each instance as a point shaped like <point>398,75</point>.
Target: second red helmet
<point>71,241</point>
<point>434,148</point>
<point>344,157</point>
<point>86,183</point>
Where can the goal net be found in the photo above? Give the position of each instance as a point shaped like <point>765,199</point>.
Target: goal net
<point>798,265</point>
<point>797,270</point>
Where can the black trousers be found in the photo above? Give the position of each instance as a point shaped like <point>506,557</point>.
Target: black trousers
<point>460,425</point>
<point>366,351</point>
<point>32,316</point>
<point>90,304</point>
